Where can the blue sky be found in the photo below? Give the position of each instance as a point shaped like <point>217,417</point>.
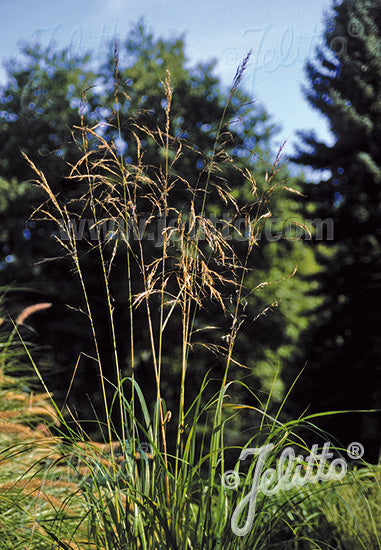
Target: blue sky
<point>281,33</point>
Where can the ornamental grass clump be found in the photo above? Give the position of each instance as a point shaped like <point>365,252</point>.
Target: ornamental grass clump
<point>157,477</point>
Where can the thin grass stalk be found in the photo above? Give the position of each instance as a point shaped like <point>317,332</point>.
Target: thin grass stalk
<point>159,405</point>
<point>168,90</point>
<point>104,273</point>
<point>131,316</point>
<point>93,331</point>
<point>185,311</point>
<point>128,259</point>
<point>120,389</point>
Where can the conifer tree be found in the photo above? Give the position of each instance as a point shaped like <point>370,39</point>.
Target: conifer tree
<point>343,345</point>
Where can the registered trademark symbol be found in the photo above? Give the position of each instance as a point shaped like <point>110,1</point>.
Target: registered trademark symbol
<point>230,479</point>
<point>354,28</point>
<point>355,450</point>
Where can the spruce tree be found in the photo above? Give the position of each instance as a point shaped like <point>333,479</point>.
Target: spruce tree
<point>343,344</point>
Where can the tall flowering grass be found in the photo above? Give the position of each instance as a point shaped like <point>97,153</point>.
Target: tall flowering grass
<point>141,488</point>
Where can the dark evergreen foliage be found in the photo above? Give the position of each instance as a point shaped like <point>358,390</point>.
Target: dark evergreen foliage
<point>343,343</point>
